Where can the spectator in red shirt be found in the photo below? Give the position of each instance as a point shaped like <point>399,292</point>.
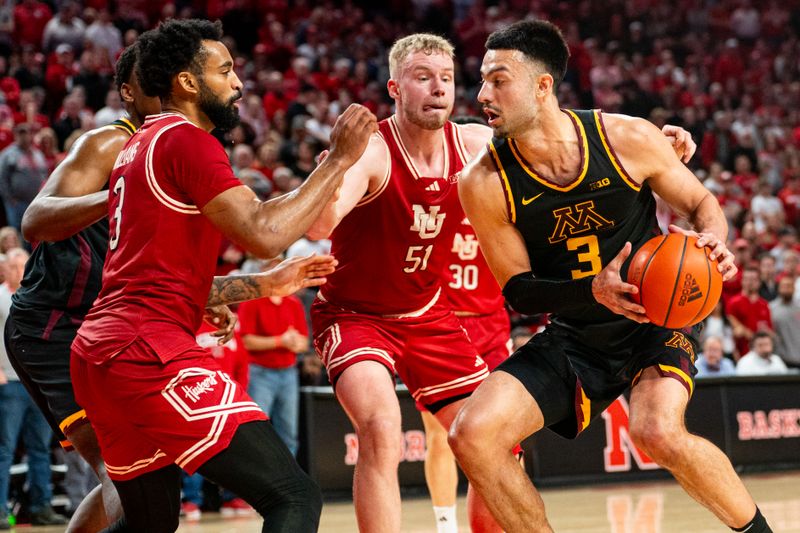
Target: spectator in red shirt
<point>790,197</point>
<point>748,312</point>
<point>274,331</point>
<point>30,18</point>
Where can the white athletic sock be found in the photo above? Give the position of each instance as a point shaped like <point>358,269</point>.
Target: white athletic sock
<point>446,519</point>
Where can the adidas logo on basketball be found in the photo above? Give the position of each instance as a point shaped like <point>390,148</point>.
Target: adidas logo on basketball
<point>691,290</point>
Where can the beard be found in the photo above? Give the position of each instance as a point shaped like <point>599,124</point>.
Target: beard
<point>224,115</point>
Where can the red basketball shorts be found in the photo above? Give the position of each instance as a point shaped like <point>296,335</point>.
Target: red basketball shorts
<point>148,415</point>
<point>430,353</point>
<point>491,336</point>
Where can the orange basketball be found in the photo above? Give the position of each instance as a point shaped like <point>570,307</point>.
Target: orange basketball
<point>678,284</point>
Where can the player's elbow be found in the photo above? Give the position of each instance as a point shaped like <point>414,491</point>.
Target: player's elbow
<point>33,227</point>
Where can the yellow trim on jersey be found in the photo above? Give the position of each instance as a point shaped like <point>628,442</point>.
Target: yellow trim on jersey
<point>126,126</point>
<point>622,174</point>
<point>586,410</point>
<point>684,376</point>
<point>584,140</point>
<point>74,417</point>
<point>504,177</point>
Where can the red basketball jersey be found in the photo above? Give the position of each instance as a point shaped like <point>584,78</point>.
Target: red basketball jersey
<point>162,251</point>
<point>393,247</point>
<point>471,287</point>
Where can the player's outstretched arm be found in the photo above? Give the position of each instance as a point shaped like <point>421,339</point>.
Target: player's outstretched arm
<point>648,155</point>
<point>286,278</point>
<point>268,228</point>
<point>73,196</point>
<point>367,175</point>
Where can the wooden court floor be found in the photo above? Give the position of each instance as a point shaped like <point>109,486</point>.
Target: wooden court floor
<point>655,507</point>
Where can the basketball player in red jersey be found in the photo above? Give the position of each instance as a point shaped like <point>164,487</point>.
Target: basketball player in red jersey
<point>158,401</point>
<point>382,312</point>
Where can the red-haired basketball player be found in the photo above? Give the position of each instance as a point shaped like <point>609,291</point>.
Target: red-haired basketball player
<point>558,200</point>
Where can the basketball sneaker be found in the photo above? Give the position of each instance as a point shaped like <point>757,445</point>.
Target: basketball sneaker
<point>236,507</point>
<point>191,511</point>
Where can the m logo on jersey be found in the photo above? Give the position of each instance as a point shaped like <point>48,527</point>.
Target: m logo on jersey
<point>680,342</point>
<point>427,223</point>
<point>466,246</point>
<point>577,219</point>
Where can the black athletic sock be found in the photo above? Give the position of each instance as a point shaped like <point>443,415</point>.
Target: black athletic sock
<point>757,525</point>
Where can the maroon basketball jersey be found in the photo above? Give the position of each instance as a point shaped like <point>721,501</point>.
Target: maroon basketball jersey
<point>393,247</point>
<point>471,286</point>
<point>162,251</point>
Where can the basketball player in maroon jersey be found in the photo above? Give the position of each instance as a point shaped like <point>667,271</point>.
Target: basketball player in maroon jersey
<point>382,312</point>
<point>158,401</point>
<point>543,162</point>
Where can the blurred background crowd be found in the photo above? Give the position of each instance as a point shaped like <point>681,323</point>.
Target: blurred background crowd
<point>728,71</point>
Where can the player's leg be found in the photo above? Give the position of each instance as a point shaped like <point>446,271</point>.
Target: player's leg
<point>441,474</point>
<point>152,501</point>
<point>498,415</point>
<point>366,392</point>
<point>259,468</point>
<point>657,426</point>
<point>101,506</point>
<point>44,368</point>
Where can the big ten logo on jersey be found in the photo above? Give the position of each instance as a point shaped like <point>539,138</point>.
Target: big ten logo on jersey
<point>577,219</point>
<point>428,225</point>
<point>619,445</point>
<point>127,155</point>
<point>412,443</point>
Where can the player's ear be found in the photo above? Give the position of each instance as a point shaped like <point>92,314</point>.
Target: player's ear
<point>544,85</point>
<point>126,93</point>
<point>394,89</point>
<point>188,82</point>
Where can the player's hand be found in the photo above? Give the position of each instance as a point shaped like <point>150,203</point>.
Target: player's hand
<point>719,251</point>
<point>609,289</point>
<point>222,318</point>
<point>681,140</point>
<point>351,133</point>
<point>291,275</point>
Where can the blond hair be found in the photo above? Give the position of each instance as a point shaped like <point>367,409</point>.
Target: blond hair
<point>417,42</point>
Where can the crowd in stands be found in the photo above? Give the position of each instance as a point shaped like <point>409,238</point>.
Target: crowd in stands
<point>726,70</point>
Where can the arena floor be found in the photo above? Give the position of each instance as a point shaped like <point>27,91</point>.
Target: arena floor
<point>660,507</point>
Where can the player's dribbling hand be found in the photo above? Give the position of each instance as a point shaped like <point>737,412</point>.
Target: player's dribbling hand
<point>609,289</point>
<point>682,141</point>
<point>222,318</point>
<point>351,133</point>
<point>719,251</point>
<point>296,273</point>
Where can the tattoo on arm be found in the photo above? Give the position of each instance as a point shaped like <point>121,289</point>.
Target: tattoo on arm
<point>226,290</point>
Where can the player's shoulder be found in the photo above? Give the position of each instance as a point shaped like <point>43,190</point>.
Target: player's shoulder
<point>633,130</point>
<point>99,141</point>
<point>475,136</point>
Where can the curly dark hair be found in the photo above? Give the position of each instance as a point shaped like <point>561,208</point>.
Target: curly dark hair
<point>539,40</point>
<point>174,46</point>
<point>124,66</point>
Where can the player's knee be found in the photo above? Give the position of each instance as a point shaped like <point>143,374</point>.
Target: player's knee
<point>468,437</point>
<point>659,439</point>
<point>436,441</point>
<point>380,439</point>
